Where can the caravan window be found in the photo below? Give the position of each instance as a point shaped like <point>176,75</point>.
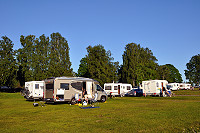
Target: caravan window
<point>128,88</point>
<point>36,86</point>
<point>64,86</point>
<point>77,85</point>
<point>107,87</point>
<point>115,87</point>
<point>157,84</point>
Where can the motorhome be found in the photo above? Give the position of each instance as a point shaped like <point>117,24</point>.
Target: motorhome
<point>184,86</point>
<point>117,89</point>
<point>154,87</point>
<point>71,89</point>
<point>34,90</point>
<point>173,86</point>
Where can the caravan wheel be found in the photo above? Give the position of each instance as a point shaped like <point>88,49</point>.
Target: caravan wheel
<point>103,99</point>
<point>73,101</point>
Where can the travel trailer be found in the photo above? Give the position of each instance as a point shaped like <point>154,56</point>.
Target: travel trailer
<point>34,90</point>
<point>73,89</point>
<point>154,87</point>
<point>184,86</point>
<point>173,86</point>
<point>117,89</point>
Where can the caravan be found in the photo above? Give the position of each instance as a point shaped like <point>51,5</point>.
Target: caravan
<point>34,90</point>
<point>117,89</point>
<point>173,86</point>
<point>184,86</point>
<point>72,89</point>
<point>154,87</point>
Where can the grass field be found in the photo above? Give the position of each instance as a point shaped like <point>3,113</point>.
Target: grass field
<point>126,114</point>
<point>196,91</point>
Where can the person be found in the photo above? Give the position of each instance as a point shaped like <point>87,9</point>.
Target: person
<point>83,92</point>
<point>86,100</point>
<point>166,92</point>
<point>192,87</point>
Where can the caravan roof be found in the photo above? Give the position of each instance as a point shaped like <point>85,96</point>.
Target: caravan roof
<point>71,78</point>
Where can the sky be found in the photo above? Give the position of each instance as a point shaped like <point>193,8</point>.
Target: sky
<point>170,28</point>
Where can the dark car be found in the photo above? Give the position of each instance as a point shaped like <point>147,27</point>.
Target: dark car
<point>135,93</point>
<point>6,89</point>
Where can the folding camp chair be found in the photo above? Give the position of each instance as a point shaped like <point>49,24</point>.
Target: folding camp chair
<point>95,98</point>
<point>76,98</point>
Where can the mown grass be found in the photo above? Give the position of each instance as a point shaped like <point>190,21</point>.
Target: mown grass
<point>196,91</point>
<point>126,114</point>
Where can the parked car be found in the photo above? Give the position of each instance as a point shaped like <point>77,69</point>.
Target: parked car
<point>6,89</point>
<point>135,93</point>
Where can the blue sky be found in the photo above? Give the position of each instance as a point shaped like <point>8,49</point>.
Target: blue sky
<point>170,28</point>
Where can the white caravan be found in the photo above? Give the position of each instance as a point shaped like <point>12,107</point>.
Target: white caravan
<point>34,90</point>
<point>117,89</point>
<point>173,86</point>
<point>154,87</point>
<point>184,86</point>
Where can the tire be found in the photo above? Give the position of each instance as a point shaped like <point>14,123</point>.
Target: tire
<point>103,99</point>
<point>73,101</point>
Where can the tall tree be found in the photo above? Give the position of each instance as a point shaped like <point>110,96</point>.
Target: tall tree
<point>26,58</point>
<point>138,64</point>
<point>41,57</point>
<point>8,67</point>
<point>193,70</point>
<point>169,73</point>
<point>83,68</point>
<point>98,64</point>
<point>59,64</point>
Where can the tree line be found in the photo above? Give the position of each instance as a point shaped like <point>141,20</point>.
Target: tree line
<point>44,57</point>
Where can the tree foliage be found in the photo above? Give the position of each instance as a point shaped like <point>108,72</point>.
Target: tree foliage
<point>98,64</point>
<point>193,70</point>
<point>59,61</point>
<point>44,57</point>
<point>8,67</point>
<point>138,64</point>
<point>26,57</point>
<point>170,73</point>
<point>40,58</point>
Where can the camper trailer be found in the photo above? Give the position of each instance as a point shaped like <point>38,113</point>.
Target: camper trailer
<point>117,89</point>
<point>154,87</point>
<point>184,86</point>
<point>73,89</point>
<point>173,86</point>
<point>34,90</point>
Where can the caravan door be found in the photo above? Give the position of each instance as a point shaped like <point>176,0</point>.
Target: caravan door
<point>89,89</point>
<point>118,89</point>
<point>49,91</point>
<point>38,90</point>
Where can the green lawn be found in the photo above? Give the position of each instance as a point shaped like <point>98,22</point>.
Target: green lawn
<point>126,114</point>
<point>196,91</point>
